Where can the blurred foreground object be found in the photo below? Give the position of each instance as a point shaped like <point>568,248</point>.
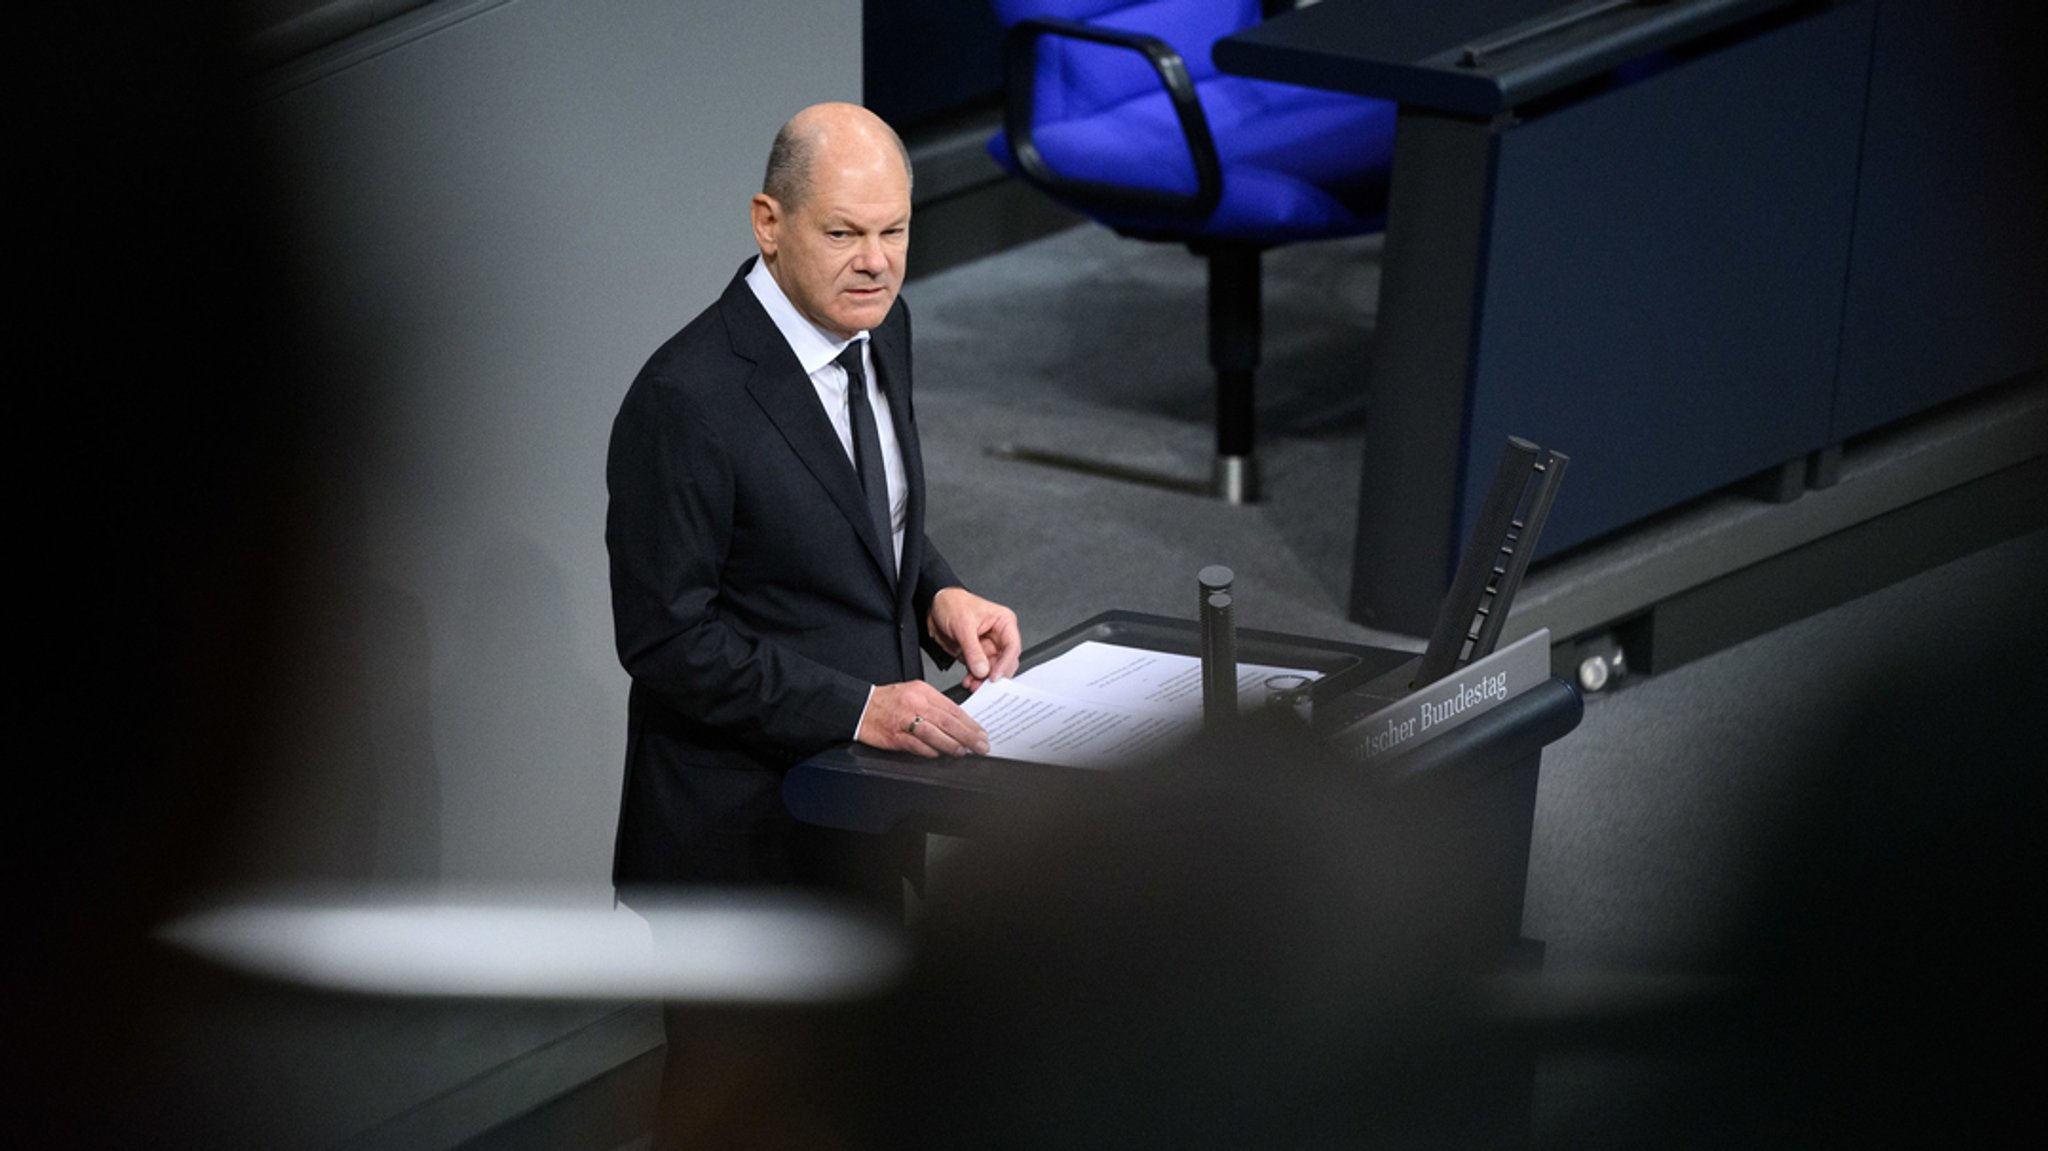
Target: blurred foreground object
<point>705,947</point>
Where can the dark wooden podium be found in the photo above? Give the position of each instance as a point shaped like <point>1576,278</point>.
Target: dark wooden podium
<point>1480,777</point>
<point>1260,865</point>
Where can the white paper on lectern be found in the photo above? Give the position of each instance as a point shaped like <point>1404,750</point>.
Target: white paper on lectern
<point>1101,704</point>
<point>1025,723</point>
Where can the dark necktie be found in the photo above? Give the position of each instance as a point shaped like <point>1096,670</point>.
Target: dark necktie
<point>867,455</point>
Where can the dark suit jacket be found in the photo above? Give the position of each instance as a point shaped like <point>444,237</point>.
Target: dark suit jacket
<point>748,594</point>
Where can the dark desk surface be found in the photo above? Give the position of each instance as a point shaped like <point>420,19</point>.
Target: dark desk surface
<point>863,789</point>
<point>1414,51</point>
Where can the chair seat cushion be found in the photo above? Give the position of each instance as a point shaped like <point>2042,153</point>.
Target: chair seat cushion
<point>1298,164</point>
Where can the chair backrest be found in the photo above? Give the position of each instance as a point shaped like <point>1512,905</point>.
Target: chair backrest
<point>1075,79</point>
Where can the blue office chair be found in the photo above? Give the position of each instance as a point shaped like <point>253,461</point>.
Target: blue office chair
<point>1113,108</point>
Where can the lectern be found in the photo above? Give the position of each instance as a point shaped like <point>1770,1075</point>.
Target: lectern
<point>1482,774</point>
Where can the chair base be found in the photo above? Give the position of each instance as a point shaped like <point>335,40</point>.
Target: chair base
<point>1235,479</point>
<point>1232,479</point>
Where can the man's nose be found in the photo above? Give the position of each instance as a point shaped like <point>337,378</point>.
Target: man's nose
<point>870,255</point>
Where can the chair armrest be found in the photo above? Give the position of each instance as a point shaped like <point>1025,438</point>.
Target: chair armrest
<point>1020,55</point>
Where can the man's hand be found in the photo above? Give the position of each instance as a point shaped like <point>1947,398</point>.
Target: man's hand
<point>981,634</point>
<point>918,718</point>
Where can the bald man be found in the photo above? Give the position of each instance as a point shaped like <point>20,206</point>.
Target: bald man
<point>771,580</point>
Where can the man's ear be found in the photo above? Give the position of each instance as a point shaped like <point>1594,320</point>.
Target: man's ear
<point>767,222</point>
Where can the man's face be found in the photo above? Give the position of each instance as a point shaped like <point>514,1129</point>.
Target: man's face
<point>839,254</point>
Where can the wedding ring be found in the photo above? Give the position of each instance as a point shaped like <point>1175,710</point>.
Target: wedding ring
<point>914,721</point>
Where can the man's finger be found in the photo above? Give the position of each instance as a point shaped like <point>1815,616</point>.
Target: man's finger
<point>1002,643</point>
<point>966,642</point>
<point>955,732</point>
<point>1008,651</point>
<point>937,726</point>
<point>941,741</point>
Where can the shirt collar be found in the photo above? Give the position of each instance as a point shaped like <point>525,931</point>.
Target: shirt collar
<point>813,345</point>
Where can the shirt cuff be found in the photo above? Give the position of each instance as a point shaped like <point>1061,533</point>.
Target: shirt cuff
<point>863,712</point>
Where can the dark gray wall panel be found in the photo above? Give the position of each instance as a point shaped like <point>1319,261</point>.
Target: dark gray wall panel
<point>1663,295</point>
<point>1948,286</point>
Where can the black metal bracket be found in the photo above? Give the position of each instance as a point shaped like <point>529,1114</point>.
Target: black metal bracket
<point>1495,560</point>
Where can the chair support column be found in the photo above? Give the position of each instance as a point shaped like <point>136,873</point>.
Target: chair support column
<point>1234,314</point>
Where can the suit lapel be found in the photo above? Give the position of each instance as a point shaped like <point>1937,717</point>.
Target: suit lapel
<point>785,395</point>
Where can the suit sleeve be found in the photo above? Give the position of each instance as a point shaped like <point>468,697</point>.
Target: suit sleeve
<point>668,528</point>
<point>934,576</point>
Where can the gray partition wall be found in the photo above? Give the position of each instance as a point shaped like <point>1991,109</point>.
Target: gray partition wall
<point>498,208</point>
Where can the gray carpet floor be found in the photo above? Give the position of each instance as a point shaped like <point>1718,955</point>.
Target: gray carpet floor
<point>1092,345</point>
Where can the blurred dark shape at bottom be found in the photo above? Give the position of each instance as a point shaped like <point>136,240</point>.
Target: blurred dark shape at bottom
<point>1880,985</point>
<point>793,1078</point>
<point>1254,944</point>
<point>1257,945</point>
<point>1889,955</point>
<point>1250,943</point>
